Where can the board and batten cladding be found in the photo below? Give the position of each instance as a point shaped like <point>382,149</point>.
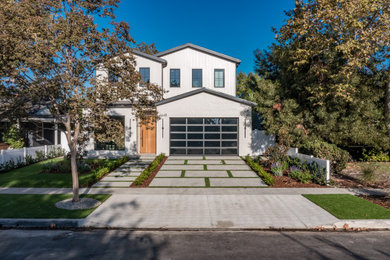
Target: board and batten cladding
<point>142,62</point>
<point>200,106</point>
<point>188,59</point>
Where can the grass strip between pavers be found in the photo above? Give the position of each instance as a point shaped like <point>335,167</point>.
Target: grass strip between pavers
<point>347,206</point>
<point>230,173</point>
<point>205,167</point>
<point>207,182</point>
<point>183,172</point>
<point>42,206</point>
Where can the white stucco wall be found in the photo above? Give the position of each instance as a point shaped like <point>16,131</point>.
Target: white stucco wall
<point>205,105</point>
<point>141,62</point>
<point>188,59</point>
<point>130,136</point>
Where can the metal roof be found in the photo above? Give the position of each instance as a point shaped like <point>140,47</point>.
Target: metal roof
<point>208,91</point>
<point>199,48</point>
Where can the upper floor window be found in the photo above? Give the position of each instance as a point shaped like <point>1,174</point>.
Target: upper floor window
<point>112,76</point>
<point>145,74</point>
<point>219,78</point>
<point>196,78</point>
<point>175,78</point>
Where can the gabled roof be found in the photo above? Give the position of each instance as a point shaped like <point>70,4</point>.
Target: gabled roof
<point>150,57</point>
<point>198,48</point>
<point>208,91</point>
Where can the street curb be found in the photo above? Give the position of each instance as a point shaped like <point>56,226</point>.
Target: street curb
<point>348,225</point>
<point>39,223</point>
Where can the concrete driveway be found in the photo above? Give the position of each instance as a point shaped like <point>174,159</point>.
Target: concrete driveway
<point>208,171</point>
<point>177,211</point>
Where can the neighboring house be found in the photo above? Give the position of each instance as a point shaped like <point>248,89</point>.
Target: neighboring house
<point>200,113</point>
<point>39,129</point>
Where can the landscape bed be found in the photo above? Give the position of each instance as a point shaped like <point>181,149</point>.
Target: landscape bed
<point>42,206</point>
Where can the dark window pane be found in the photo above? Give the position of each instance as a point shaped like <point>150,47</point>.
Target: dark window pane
<point>178,120</point>
<point>178,128</point>
<point>178,143</point>
<point>229,128</point>
<point>178,136</point>
<point>229,136</point>
<point>195,151</point>
<point>212,121</point>
<point>229,121</point>
<point>212,151</point>
<point>229,151</point>
<point>112,76</point>
<point>195,121</point>
<point>229,144</point>
<point>212,136</point>
<point>212,128</point>
<point>196,78</point>
<point>212,144</point>
<point>177,151</point>
<point>145,74</point>
<point>195,128</point>
<point>175,78</point>
<point>195,136</point>
<point>195,143</point>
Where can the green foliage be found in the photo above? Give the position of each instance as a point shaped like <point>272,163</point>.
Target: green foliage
<point>267,178</point>
<point>337,156</point>
<point>306,172</point>
<point>301,176</point>
<point>146,173</point>
<point>375,156</point>
<point>13,137</point>
<point>322,81</point>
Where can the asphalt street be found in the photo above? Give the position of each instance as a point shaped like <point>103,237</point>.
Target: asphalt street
<point>124,244</point>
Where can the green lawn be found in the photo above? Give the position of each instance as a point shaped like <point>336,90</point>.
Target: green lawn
<point>346,206</point>
<point>41,206</point>
<point>30,176</point>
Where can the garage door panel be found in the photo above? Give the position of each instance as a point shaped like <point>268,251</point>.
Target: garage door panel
<point>196,136</point>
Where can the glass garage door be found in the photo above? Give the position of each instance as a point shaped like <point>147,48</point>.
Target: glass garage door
<point>210,136</point>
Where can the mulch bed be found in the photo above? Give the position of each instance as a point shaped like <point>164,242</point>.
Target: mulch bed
<point>287,182</point>
<point>151,176</point>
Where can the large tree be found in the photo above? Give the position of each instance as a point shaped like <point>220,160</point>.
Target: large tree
<point>318,83</point>
<point>352,32</point>
<point>60,47</point>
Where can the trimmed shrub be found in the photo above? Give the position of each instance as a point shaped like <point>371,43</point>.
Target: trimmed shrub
<point>375,156</point>
<point>268,179</point>
<point>146,173</point>
<point>337,156</point>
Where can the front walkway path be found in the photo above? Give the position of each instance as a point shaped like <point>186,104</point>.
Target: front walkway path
<point>124,176</point>
<point>209,171</point>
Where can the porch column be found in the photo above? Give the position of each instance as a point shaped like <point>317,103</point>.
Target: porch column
<point>55,134</point>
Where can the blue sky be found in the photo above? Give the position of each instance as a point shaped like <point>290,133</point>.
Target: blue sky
<point>234,28</point>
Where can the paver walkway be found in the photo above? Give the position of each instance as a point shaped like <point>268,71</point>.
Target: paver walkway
<point>209,171</point>
<point>124,176</point>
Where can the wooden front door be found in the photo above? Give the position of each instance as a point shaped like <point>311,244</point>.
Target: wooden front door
<point>148,137</point>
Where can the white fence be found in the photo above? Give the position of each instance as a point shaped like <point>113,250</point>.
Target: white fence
<point>20,154</point>
<point>324,164</point>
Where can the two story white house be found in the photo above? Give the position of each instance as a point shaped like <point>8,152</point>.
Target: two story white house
<point>200,113</point>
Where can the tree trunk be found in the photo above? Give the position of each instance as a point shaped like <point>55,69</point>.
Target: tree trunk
<point>387,105</point>
<point>75,176</point>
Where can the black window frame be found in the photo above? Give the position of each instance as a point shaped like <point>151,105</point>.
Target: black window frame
<point>112,77</point>
<point>215,78</point>
<point>170,78</point>
<point>142,78</point>
<point>201,78</point>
